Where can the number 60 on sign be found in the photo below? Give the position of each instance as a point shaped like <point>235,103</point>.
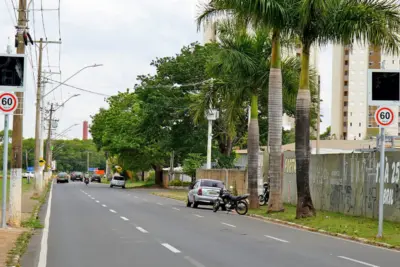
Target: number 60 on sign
<point>384,116</point>
<point>8,103</point>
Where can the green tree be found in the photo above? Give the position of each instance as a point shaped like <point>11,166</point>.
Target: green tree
<point>273,14</point>
<point>192,163</point>
<point>341,21</point>
<point>327,134</point>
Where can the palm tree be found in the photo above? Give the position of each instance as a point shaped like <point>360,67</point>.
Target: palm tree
<point>242,65</point>
<point>274,14</point>
<point>342,21</point>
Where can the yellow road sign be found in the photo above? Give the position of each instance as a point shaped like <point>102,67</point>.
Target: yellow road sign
<point>42,162</point>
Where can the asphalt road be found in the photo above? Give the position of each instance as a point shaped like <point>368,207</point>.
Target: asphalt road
<point>98,226</point>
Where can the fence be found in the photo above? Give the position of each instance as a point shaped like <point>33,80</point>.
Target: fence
<point>230,177</point>
<point>348,183</point>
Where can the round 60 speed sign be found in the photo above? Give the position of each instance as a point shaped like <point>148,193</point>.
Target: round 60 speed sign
<point>384,116</point>
<point>8,103</point>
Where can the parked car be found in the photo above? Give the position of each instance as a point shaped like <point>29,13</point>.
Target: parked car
<point>62,177</point>
<point>118,181</point>
<point>204,192</point>
<point>96,178</point>
<point>77,176</point>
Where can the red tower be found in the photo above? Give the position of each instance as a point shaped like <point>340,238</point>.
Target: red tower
<point>85,130</point>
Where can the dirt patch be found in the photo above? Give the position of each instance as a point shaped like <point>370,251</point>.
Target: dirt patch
<point>7,241</point>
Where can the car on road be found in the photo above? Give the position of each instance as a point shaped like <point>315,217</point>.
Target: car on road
<point>118,181</point>
<point>96,177</point>
<point>62,177</point>
<point>204,192</point>
<point>28,175</point>
<point>77,176</point>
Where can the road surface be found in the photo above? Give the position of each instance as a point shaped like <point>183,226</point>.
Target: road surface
<point>98,226</point>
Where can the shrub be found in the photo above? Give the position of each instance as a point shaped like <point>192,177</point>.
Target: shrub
<point>186,184</point>
<point>151,177</point>
<point>175,182</point>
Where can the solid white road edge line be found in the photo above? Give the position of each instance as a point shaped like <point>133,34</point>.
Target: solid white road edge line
<point>228,224</point>
<point>197,215</point>
<point>171,248</point>
<point>277,239</point>
<point>141,230</point>
<point>105,206</point>
<point>113,211</point>
<point>124,218</point>
<point>357,261</point>
<point>45,235</point>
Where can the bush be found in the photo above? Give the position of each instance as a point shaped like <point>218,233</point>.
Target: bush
<point>186,184</point>
<point>151,177</point>
<point>175,182</point>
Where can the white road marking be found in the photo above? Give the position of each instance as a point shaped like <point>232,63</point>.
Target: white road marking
<point>228,224</point>
<point>45,235</point>
<point>277,239</point>
<point>171,248</point>
<point>92,198</point>
<point>194,262</point>
<point>113,211</point>
<point>89,195</point>
<point>105,206</point>
<point>97,201</point>
<point>357,261</point>
<point>197,215</point>
<point>124,218</point>
<point>175,208</point>
<point>141,230</point>
<point>160,204</point>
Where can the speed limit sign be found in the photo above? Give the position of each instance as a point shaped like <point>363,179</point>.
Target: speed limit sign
<point>384,116</point>
<point>8,103</point>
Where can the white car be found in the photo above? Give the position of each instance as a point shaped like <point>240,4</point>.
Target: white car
<point>28,175</point>
<point>118,181</point>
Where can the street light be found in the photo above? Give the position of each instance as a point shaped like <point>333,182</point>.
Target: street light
<point>76,73</point>
<point>62,104</point>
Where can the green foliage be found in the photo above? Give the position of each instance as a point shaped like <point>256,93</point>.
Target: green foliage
<point>326,135</point>
<point>192,163</point>
<point>223,161</point>
<point>175,182</point>
<point>288,136</point>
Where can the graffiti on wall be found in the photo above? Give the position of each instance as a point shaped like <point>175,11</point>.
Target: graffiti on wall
<point>391,178</point>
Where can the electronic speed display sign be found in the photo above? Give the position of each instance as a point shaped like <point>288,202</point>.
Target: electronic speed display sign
<point>12,73</point>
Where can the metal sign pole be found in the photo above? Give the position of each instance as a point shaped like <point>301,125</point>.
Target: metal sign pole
<point>381,181</point>
<point>5,163</point>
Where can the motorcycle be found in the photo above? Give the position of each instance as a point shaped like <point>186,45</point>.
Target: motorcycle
<point>86,181</point>
<point>263,199</point>
<point>229,202</point>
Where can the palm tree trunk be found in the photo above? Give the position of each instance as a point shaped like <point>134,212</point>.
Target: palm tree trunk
<point>305,207</point>
<point>275,112</point>
<point>253,143</point>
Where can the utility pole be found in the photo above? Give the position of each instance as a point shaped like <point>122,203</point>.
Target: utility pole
<point>48,143</point>
<point>38,172</point>
<point>16,155</point>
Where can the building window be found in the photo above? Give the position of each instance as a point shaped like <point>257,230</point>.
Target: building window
<point>346,62</point>
<point>346,52</point>
<point>346,93</point>
<point>351,124</point>
<point>346,73</point>
<point>393,61</point>
<point>369,125</point>
<point>371,63</point>
<point>359,124</point>
<point>345,103</point>
<point>346,83</point>
<point>371,52</point>
<point>359,135</point>
<point>344,124</point>
<point>345,114</point>
<point>351,113</point>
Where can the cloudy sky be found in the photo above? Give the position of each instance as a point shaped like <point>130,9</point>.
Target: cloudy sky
<point>123,35</point>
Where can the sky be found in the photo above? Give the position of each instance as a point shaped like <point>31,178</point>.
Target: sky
<point>124,36</point>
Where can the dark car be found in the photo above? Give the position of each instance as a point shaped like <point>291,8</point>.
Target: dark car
<point>62,177</point>
<point>96,178</point>
<point>77,176</point>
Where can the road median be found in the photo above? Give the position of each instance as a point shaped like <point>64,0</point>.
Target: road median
<point>359,229</point>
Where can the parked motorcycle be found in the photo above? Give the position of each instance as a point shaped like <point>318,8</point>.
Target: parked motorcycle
<point>263,199</point>
<point>229,202</point>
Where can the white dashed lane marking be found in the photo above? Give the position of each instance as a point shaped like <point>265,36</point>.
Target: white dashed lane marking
<point>357,261</point>
<point>227,224</point>
<point>141,230</point>
<point>113,211</point>
<point>277,239</point>
<point>124,218</point>
<point>171,248</point>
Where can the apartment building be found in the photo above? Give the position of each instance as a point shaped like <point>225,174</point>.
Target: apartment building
<point>288,123</point>
<point>352,117</point>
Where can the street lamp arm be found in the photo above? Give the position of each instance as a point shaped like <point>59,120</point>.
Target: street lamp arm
<point>73,75</point>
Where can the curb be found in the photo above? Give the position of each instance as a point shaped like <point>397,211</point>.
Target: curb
<point>343,236</point>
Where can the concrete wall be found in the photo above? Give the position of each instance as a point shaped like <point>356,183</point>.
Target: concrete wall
<point>229,177</point>
<point>348,183</point>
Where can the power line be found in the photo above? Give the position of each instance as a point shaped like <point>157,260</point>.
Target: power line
<point>44,31</point>
<point>9,13</point>
<point>78,88</point>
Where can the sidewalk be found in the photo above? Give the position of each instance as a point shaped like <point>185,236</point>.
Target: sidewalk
<point>9,236</point>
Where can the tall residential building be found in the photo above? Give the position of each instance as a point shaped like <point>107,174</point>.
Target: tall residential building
<point>352,118</point>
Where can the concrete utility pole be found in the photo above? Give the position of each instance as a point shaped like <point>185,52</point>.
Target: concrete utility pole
<point>38,172</point>
<point>16,156</point>
<point>48,143</point>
